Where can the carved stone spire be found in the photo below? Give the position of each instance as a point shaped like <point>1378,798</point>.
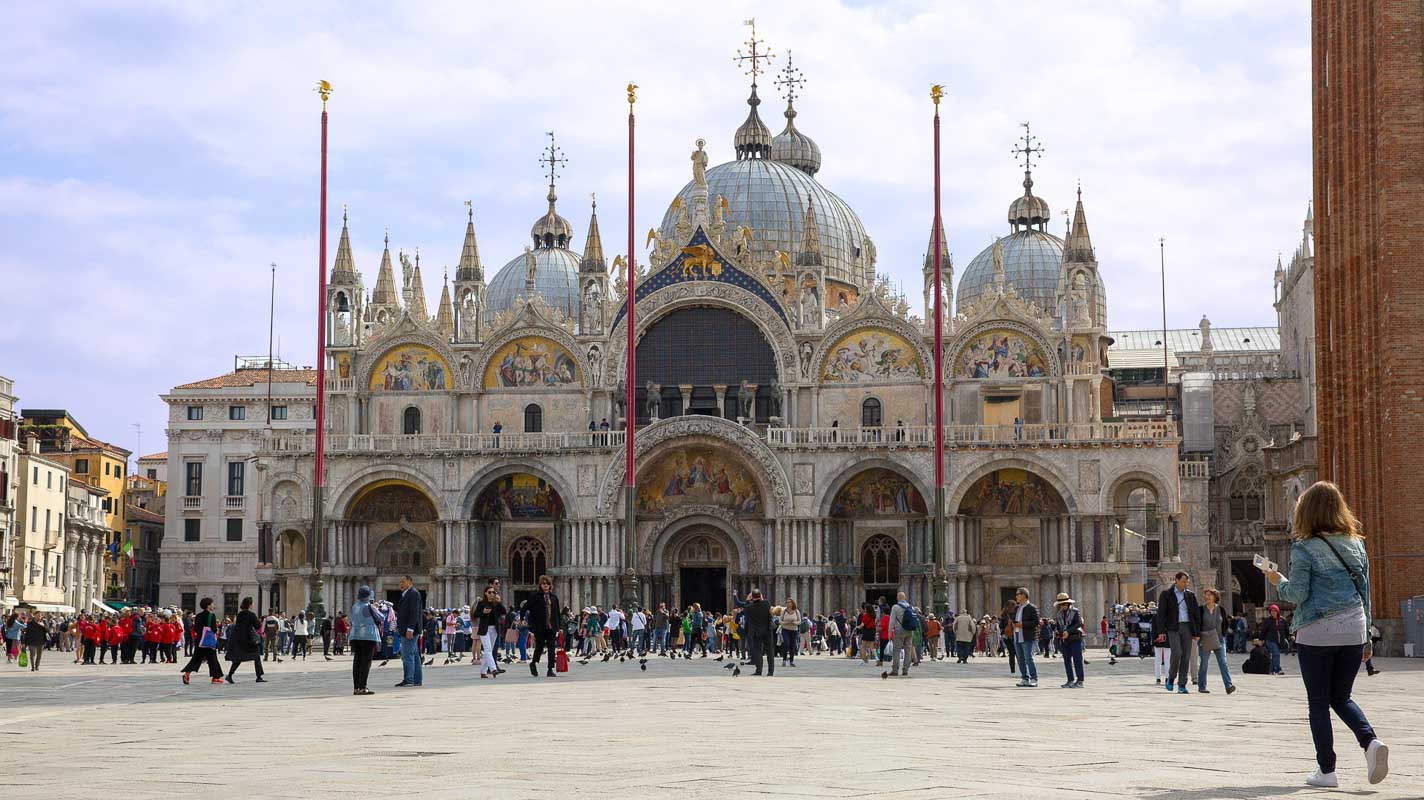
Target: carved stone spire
<point>343,270</point>
<point>593,260</point>
<point>810,253</point>
<point>445,317</point>
<point>470,268</point>
<point>417,308</point>
<point>385,293</point>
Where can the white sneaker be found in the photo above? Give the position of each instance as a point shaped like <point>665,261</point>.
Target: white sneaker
<point>1322,779</point>
<point>1377,760</point>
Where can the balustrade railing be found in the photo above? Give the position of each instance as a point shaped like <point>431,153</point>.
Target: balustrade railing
<point>963,435</point>
<point>442,442</point>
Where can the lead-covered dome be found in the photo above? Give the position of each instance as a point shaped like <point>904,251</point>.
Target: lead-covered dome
<point>771,198</point>
<point>1032,260</point>
<point>555,280</point>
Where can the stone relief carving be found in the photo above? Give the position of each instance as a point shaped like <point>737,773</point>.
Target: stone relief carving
<point>803,479</point>
<point>744,542</point>
<point>587,480</point>
<point>1089,476</point>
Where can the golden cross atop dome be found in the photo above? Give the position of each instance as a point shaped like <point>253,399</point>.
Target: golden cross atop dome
<point>1030,149</point>
<point>790,81</point>
<point>753,54</point>
<point>553,156</point>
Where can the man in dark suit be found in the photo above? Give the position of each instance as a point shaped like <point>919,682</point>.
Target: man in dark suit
<point>758,631</point>
<point>409,625</point>
<point>544,622</point>
<point>1178,619</point>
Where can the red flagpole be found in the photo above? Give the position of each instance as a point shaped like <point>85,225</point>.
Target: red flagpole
<point>319,469</point>
<point>940,582</point>
<point>630,520</point>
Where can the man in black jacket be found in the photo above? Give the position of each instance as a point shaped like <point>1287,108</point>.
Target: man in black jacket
<point>1025,631</point>
<point>758,631</point>
<point>408,627</point>
<point>1177,618</point>
<point>542,613</point>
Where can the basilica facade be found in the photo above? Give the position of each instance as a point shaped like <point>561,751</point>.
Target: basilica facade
<point>784,415</point>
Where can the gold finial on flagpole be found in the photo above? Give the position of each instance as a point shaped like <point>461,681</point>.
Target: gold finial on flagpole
<point>632,95</point>
<point>937,93</point>
<point>323,88</point>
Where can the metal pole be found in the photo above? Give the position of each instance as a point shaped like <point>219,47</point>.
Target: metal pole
<point>1166,368</point>
<point>316,606</point>
<point>630,425</point>
<point>271,329</point>
<point>941,579</point>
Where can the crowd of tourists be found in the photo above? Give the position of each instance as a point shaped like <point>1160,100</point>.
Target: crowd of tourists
<point>1329,629</point>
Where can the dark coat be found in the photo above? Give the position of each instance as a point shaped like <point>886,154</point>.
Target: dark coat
<point>35,633</point>
<point>1167,611</point>
<point>538,613</point>
<point>758,615</point>
<point>242,638</point>
<point>409,613</point>
<point>1029,621</point>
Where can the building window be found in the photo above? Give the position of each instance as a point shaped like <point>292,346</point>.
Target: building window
<point>107,468</point>
<point>229,604</point>
<point>237,412</point>
<point>105,505</point>
<point>193,485</point>
<point>195,413</point>
<point>188,601</point>
<point>37,476</point>
<point>528,561</point>
<point>81,466</point>
<point>870,413</point>
<point>152,474</point>
<point>1152,551</point>
<point>234,529</point>
<point>533,418</point>
<point>192,529</point>
<point>279,412</point>
<point>49,479</point>
<point>880,560</point>
<point>119,470</point>
<point>410,422</point>
<point>48,520</point>
<point>236,471</point>
<point>34,518</point>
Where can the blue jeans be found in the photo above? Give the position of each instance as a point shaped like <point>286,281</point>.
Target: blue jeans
<point>640,640</point>
<point>1275,651</point>
<point>1329,675</point>
<point>1027,670</point>
<point>789,640</point>
<point>1220,664</point>
<point>660,639</point>
<point>1072,659</point>
<point>410,660</point>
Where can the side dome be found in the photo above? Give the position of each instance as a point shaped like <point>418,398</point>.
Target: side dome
<point>1032,260</point>
<point>771,197</point>
<point>555,280</point>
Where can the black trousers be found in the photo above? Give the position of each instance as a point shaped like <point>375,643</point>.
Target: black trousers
<point>545,640</point>
<point>204,655</point>
<point>88,652</point>
<point>758,646</point>
<point>363,651</point>
<point>256,662</point>
<point>326,643</point>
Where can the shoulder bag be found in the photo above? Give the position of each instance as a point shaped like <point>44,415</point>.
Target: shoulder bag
<point>1355,577</point>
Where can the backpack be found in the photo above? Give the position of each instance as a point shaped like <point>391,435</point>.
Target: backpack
<point>805,625</point>
<point>64,626</point>
<point>908,621</point>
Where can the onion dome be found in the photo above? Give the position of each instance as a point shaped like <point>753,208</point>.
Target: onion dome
<point>552,230</point>
<point>556,281</point>
<point>753,139</point>
<point>1028,211</point>
<point>791,146</point>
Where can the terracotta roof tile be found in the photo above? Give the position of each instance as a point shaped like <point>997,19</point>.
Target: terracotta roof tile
<point>155,457</point>
<point>142,514</point>
<point>252,377</point>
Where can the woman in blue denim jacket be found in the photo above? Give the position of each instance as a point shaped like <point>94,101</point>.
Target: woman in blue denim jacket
<point>1330,585</point>
<point>367,623</point>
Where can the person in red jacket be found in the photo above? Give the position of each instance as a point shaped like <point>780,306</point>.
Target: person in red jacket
<point>89,631</point>
<point>116,637</point>
<point>102,638</point>
<point>175,635</point>
<point>883,626</point>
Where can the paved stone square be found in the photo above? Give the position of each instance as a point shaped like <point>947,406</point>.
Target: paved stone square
<point>683,729</point>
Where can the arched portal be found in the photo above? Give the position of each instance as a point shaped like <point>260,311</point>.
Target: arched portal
<point>880,567</point>
<point>401,524</point>
<point>1013,512</point>
<point>521,512</point>
<point>706,348</point>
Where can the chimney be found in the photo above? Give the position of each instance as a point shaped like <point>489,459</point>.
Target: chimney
<point>32,443</point>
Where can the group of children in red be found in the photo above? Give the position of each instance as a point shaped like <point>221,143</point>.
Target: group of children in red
<point>153,637</point>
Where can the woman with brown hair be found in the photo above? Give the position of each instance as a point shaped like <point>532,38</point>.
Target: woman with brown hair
<point>1330,585</point>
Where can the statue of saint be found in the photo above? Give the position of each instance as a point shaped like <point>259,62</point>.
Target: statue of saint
<point>699,164</point>
<point>1078,302</point>
<point>998,254</point>
<point>745,396</point>
<point>654,400</point>
<point>531,266</point>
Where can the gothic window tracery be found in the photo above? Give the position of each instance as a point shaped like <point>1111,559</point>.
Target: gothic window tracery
<point>527,561</point>
<point>880,560</point>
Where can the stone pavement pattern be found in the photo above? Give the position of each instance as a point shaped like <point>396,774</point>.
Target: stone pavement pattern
<point>828,729</point>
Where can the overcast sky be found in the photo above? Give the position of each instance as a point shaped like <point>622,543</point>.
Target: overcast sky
<point>155,159</point>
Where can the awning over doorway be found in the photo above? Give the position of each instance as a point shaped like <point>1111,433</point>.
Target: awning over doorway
<point>102,606</point>
<point>55,608</point>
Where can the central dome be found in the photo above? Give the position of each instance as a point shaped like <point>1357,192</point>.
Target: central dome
<point>771,197</point>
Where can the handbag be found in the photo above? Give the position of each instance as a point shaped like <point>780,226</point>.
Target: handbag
<point>511,636</point>
<point>208,639</point>
<point>24,659</point>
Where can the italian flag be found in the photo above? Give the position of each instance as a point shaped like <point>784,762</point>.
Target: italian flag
<point>128,551</point>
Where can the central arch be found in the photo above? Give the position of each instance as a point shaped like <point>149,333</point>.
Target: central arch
<point>705,347</point>
<point>699,554</point>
